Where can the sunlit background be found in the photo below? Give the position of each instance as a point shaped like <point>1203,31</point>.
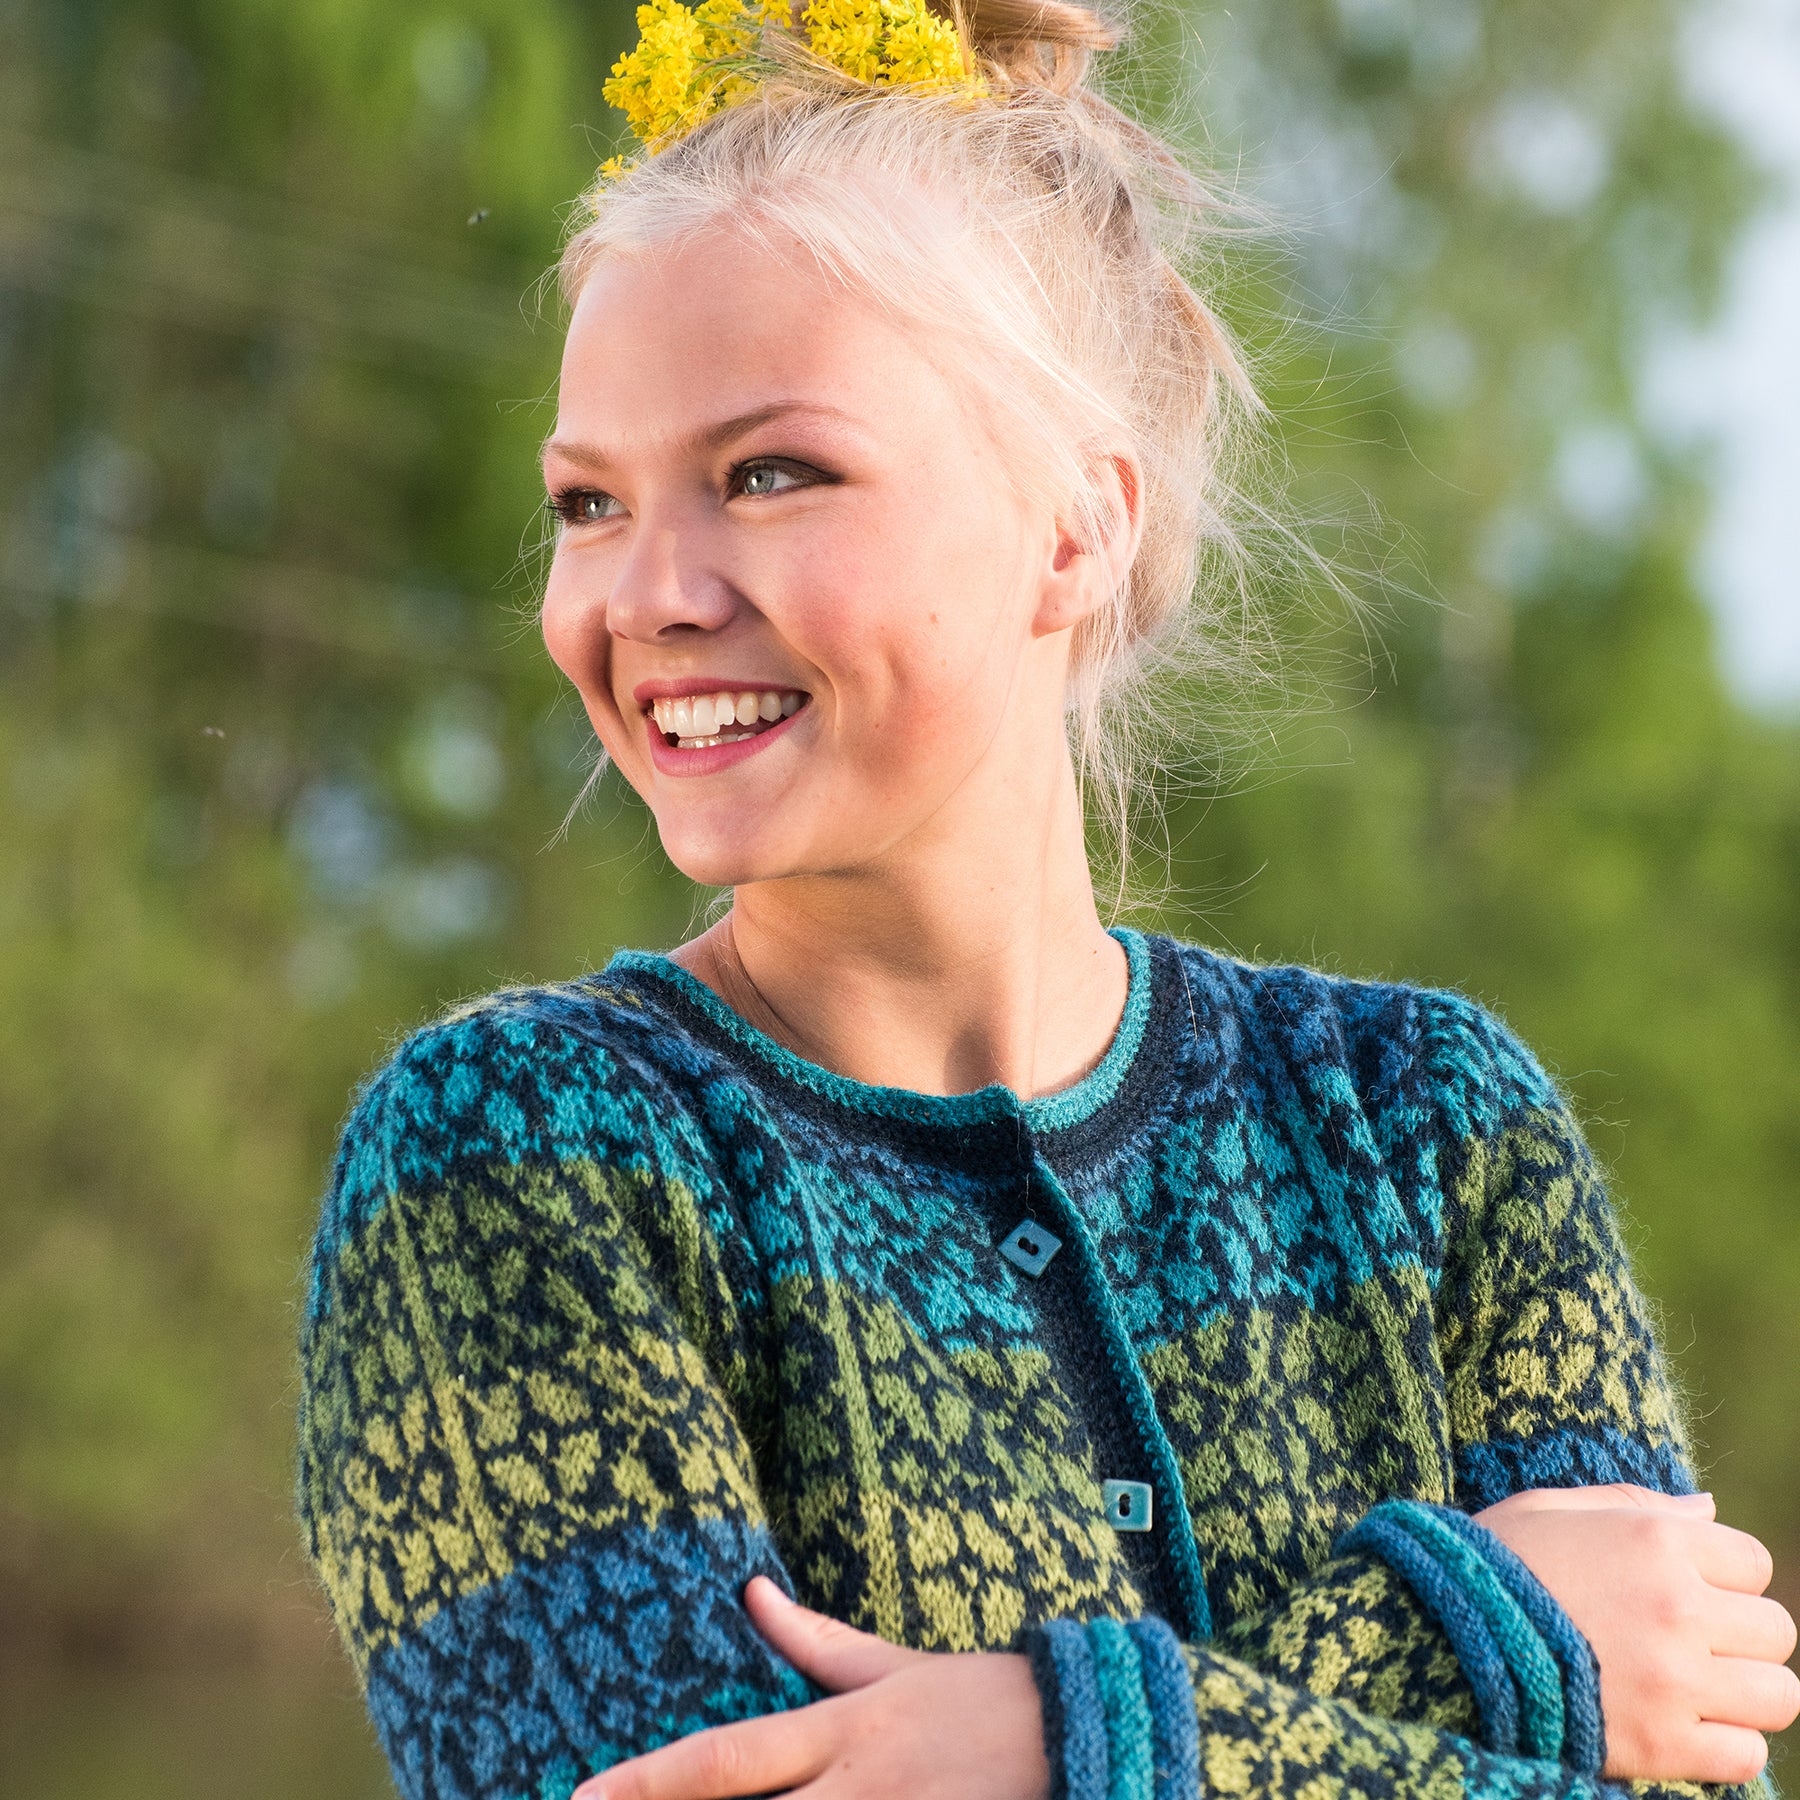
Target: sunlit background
<point>282,761</point>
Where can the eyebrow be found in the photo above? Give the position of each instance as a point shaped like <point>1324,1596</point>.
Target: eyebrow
<point>708,438</point>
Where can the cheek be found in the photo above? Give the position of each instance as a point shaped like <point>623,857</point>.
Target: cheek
<point>574,628</point>
<point>911,617</point>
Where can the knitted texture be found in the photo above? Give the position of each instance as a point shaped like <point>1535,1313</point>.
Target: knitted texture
<point>1584,1742</point>
<point>613,1304</point>
<point>1175,1736</point>
<point>1528,1658</point>
<point>1534,1675</point>
<point>1118,1710</point>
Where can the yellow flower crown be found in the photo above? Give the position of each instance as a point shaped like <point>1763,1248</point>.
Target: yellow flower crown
<point>691,62</point>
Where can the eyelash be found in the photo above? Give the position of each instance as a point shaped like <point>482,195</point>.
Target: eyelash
<point>563,503</point>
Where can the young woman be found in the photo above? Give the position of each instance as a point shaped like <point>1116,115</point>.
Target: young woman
<point>913,1340</point>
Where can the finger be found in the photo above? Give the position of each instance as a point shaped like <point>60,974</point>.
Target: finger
<point>1743,1625</point>
<point>1728,1558</point>
<point>835,1655</point>
<point>1719,1753</point>
<point>1763,1696</point>
<point>753,1756</point>
<point>1725,1754</point>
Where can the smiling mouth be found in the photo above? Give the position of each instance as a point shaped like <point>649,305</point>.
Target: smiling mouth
<point>701,721</point>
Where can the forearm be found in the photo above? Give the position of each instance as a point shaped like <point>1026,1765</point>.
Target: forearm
<point>1255,1737</point>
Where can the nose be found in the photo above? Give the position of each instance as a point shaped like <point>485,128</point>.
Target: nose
<point>664,587</point>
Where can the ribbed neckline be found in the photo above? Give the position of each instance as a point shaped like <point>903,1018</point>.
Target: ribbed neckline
<point>1057,1111</point>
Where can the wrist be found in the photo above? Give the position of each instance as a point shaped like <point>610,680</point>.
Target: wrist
<point>1533,1674</point>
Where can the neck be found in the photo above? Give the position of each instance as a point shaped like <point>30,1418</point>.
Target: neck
<point>949,967</point>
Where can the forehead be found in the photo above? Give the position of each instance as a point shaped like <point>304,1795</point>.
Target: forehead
<point>667,341</point>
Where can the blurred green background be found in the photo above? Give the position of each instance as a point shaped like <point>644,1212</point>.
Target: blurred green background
<point>282,761</point>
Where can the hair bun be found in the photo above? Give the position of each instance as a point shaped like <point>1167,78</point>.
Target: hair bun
<point>1033,43</point>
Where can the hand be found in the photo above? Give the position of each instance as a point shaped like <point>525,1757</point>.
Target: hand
<point>1690,1658</point>
<point>904,1723</point>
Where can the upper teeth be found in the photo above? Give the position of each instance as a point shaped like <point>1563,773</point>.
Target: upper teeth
<point>705,715</point>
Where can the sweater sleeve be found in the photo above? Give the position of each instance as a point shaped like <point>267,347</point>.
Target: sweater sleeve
<point>1132,1712</point>
<point>524,1479</point>
<point>1423,1653</point>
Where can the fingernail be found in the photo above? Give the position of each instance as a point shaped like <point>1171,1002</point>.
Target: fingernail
<point>1695,1499</point>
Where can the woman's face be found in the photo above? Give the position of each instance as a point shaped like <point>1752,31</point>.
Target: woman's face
<point>807,612</point>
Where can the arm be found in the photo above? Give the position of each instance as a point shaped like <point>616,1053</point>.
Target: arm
<point>523,1478</point>
<point>1554,1376</point>
<point>1126,1713</point>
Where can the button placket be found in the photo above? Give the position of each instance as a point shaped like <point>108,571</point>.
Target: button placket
<point>1129,1506</point>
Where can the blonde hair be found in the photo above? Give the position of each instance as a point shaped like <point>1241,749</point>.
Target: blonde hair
<point>1039,234</point>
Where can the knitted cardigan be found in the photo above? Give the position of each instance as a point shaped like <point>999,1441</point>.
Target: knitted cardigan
<point>1184,1381</point>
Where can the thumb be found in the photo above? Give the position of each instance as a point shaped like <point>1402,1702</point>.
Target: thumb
<point>835,1655</point>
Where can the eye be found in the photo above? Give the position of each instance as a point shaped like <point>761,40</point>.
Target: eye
<point>583,506</point>
<point>770,475</point>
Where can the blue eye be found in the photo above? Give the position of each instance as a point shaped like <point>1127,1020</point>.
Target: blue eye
<point>759,478</point>
<point>583,506</point>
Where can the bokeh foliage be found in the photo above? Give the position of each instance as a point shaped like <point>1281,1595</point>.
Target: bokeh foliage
<point>282,762</point>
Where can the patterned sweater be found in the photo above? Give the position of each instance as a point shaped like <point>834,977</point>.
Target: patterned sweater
<point>1183,1380</point>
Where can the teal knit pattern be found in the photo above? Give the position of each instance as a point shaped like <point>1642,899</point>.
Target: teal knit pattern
<point>1185,1382</point>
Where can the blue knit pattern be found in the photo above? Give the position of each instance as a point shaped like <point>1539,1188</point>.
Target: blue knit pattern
<point>1123,1710</point>
<point>1174,1724</point>
<point>1083,1771</point>
<point>1465,1624</point>
<point>1130,1748</point>
<point>1584,1743</point>
<point>1534,1670</point>
<point>1534,1674</point>
<point>615,1303</point>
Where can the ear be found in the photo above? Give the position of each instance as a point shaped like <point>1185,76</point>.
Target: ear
<point>1092,558</point>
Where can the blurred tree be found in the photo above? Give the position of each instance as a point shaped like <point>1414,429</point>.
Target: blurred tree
<point>281,760</point>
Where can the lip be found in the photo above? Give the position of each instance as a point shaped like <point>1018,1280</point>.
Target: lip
<point>670,761</point>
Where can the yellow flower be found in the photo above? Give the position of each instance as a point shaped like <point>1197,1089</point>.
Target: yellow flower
<point>691,62</point>
<point>921,47</point>
<point>890,42</point>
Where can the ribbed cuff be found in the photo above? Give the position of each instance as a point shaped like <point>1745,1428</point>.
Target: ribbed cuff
<point>1534,1675</point>
<point>1119,1718</point>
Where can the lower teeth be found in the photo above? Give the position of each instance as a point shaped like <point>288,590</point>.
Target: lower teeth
<point>722,737</point>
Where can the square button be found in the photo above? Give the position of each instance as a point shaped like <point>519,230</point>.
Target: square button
<point>1130,1505</point>
<point>1029,1246</point>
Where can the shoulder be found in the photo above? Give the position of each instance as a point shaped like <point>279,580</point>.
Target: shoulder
<point>573,1074</point>
<point>1392,1047</point>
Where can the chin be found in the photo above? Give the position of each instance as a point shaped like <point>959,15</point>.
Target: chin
<point>728,858</point>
